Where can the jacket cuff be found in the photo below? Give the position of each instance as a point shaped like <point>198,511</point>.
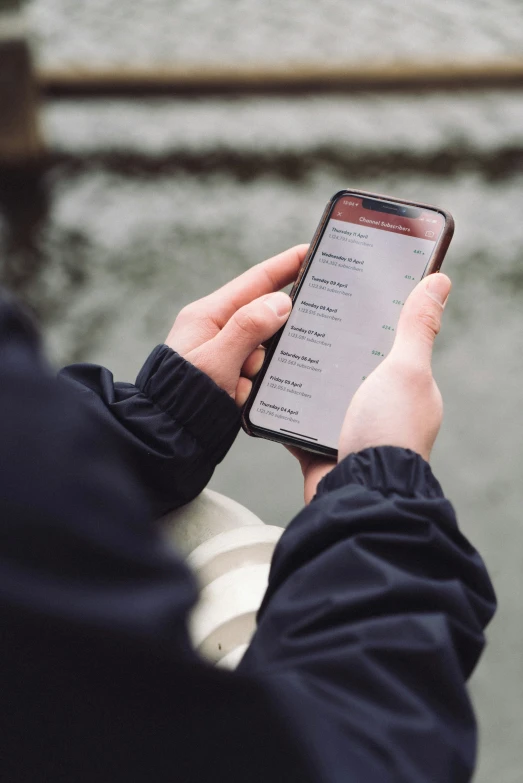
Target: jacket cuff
<point>191,399</point>
<point>387,469</point>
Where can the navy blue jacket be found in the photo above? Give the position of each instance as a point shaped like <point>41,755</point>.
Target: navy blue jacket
<point>372,622</point>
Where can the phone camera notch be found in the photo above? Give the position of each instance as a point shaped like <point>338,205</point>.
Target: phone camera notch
<point>391,208</point>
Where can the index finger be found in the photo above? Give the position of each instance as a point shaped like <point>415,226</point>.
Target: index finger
<point>264,278</point>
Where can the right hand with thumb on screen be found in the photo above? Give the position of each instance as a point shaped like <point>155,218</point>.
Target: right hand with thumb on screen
<point>399,404</point>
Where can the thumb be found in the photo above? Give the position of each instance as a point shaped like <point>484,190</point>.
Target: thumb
<point>248,327</point>
<point>420,319</point>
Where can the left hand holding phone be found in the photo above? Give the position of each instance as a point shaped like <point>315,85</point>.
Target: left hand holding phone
<point>222,333</point>
<point>399,404</point>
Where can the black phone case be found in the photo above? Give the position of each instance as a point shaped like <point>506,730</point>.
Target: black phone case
<point>433,266</point>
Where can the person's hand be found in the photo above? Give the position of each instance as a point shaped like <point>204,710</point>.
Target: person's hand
<point>222,333</point>
<point>399,404</point>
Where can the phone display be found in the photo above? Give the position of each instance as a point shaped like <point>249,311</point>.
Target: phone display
<point>368,254</point>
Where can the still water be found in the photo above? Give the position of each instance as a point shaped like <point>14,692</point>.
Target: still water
<point>146,206</point>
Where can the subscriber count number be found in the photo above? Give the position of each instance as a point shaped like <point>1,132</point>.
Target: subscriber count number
<point>342,324</point>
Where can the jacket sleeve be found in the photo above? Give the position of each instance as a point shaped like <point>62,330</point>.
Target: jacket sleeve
<point>372,622</point>
<point>98,678</point>
<point>174,423</point>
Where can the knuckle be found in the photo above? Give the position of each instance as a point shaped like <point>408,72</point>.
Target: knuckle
<point>264,270</point>
<point>187,314</point>
<point>248,323</point>
<point>428,320</point>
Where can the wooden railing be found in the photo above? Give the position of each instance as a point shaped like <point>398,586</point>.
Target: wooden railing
<point>22,86</point>
<point>289,80</point>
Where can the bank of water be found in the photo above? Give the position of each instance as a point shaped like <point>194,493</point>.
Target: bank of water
<point>146,206</point>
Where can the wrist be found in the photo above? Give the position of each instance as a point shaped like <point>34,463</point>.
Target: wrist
<point>314,474</point>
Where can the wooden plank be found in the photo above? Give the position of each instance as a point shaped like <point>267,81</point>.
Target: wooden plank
<point>20,139</point>
<point>206,80</point>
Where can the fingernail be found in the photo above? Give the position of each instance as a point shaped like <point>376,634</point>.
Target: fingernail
<point>438,288</point>
<point>279,303</point>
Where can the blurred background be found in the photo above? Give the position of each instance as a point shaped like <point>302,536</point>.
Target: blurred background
<point>210,137</point>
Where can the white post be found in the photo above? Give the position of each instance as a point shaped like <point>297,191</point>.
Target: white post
<point>230,550</point>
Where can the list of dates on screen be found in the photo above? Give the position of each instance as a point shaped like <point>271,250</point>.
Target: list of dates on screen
<point>341,327</point>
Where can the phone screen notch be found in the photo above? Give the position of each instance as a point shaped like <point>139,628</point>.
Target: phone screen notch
<point>391,208</point>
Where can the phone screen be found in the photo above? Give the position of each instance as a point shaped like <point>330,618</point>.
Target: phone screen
<point>344,318</point>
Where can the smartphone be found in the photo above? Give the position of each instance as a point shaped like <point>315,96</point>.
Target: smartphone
<point>366,256</point>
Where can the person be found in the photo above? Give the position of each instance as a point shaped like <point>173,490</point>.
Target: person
<point>376,605</point>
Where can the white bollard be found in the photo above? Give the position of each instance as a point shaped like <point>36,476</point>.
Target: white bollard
<point>230,550</point>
